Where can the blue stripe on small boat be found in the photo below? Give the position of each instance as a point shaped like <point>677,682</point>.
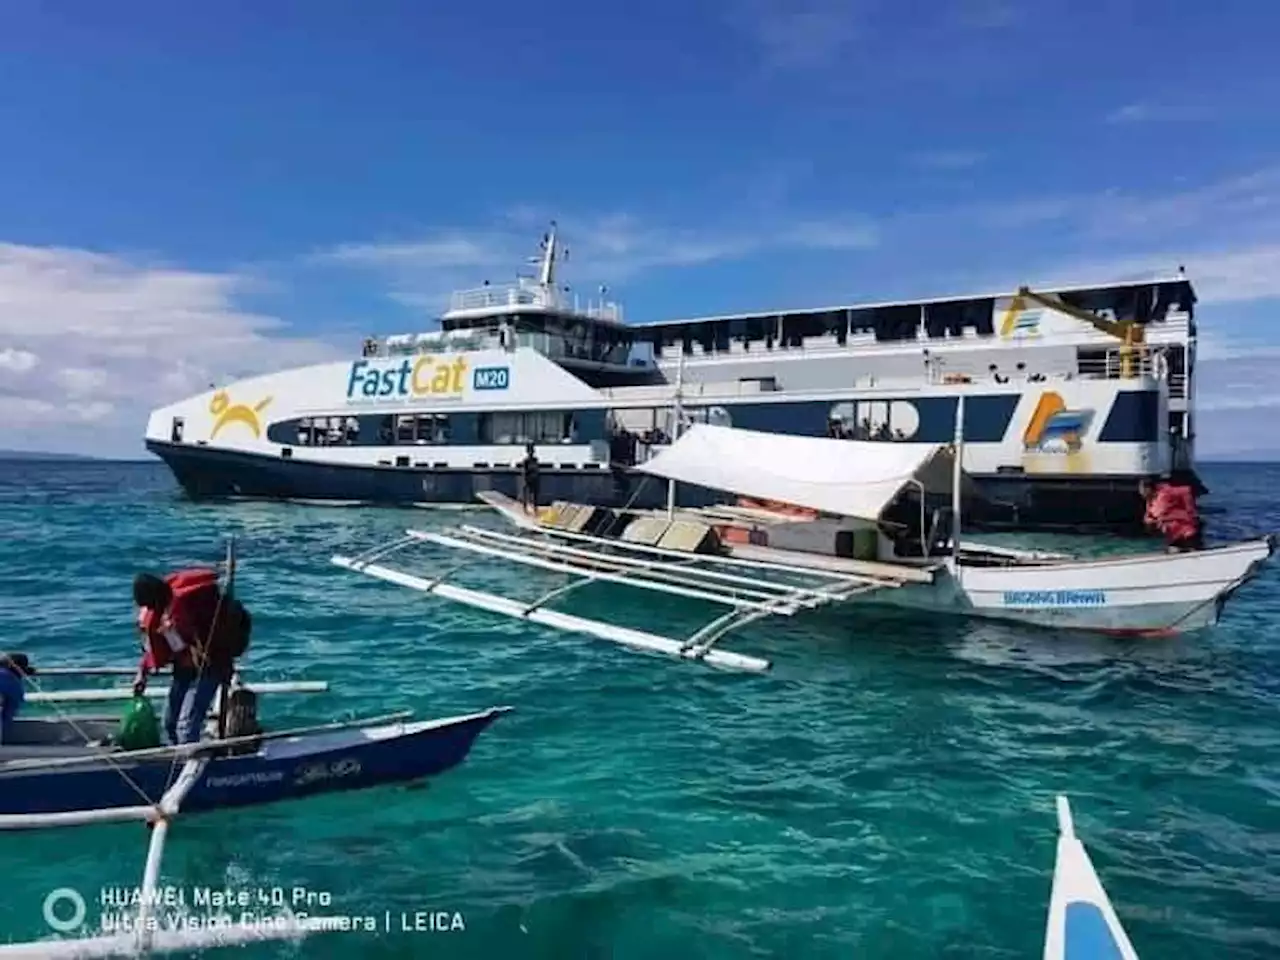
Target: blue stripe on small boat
<point>1087,935</point>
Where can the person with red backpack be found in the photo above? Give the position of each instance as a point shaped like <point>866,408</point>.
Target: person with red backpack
<point>1171,511</point>
<point>187,622</point>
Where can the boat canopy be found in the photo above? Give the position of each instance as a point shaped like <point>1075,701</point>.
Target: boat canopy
<point>849,478</point>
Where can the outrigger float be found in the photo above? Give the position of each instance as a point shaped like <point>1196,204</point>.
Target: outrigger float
<point>62,771</point>
<point>871,523</point>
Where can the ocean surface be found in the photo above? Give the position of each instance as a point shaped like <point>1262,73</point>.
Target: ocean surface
<point>886,792</point>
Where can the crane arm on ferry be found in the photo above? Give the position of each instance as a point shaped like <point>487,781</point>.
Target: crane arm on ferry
<point>1130,334</point>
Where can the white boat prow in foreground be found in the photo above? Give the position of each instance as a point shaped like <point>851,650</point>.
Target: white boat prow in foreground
<point>1082,924</point>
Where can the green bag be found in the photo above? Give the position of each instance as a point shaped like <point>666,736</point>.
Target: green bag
<point>139,727</point>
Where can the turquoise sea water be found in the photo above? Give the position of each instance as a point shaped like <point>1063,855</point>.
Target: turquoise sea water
<point>887,792</point>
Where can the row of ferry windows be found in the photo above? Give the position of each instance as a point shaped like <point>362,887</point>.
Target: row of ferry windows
<point>886,323</point>
<point>1141,304</point>
<point>542,427</point>
<point>421,429</point>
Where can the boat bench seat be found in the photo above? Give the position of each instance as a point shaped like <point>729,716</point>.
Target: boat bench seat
<point>687,536</point>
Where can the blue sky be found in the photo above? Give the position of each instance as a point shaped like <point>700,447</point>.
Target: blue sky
<point>191,191</point>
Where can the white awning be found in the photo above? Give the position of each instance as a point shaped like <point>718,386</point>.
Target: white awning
<point>850,478</point>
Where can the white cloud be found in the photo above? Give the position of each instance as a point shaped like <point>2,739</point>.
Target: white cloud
<point>1225,275</point>
<point>94,339</point>
<point>17,361</point>
<point>1145,112</point>
<point>799,34</point>
<point>602,249</point>
<point>947,159</point>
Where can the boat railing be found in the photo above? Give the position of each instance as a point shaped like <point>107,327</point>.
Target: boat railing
<point>523,293</point>
<point>1119,365</point>
<point>558,347</point>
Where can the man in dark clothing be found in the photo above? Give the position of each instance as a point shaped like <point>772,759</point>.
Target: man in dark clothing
<point>178,616</point>
<point>529,479</point>
<point>14,669</point>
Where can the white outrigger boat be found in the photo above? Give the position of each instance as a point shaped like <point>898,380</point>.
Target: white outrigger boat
<point>1082,924</point>
<point>878,523</point>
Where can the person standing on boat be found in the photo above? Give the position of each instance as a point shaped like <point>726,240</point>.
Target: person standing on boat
<point>529,479</point>
<point>185,622</point>
<point>1171,511</point>
<point>14,669</point>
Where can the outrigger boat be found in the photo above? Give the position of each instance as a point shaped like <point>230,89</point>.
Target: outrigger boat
<point>1082,924</point>
<point>63,771</point>
<point>873,523</point>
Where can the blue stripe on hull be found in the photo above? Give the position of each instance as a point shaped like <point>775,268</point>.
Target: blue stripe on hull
<point>1021,502</point>
<point>247,780</point>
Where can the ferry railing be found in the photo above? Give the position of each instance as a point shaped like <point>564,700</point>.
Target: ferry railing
<point>496,296</point>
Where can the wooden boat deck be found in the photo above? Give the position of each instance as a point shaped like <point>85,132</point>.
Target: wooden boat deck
<point>898,573</point>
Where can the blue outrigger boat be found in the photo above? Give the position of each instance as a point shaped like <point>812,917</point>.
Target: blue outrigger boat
<point>63,771</point>
<point>50,768</point>
<point>1082,924</point>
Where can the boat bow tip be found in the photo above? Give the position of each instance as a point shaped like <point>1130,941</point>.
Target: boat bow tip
<point>1066,827</point>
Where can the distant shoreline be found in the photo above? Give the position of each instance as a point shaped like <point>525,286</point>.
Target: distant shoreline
<point>37,456</point>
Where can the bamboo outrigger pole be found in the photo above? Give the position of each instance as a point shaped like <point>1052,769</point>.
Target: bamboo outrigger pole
<point>228,592</point>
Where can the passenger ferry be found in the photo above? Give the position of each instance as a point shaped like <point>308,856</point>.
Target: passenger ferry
<point>1072,395</point>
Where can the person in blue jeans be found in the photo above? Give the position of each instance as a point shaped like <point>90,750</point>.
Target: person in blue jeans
<point>14,668</point>
<point>177,615</point>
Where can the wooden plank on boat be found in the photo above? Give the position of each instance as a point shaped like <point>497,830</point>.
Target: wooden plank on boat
<point>892,572</point>
<point>688,537</point>
<point>510,509</point>
<point>646,530</point>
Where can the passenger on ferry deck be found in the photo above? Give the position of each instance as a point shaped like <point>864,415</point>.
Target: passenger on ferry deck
<point>14,669</point>
<point>1171,510</point>
<point>529,479</point>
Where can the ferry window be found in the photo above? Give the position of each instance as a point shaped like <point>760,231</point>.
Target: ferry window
<point>897,323</point>
<point>703,335</point>
<point>862,321</point>
<point>404,429</point>
<point>686,339</point>
<point>655,339</point>
<point>431,428</point>
<point>720,335</point>
<point>838,323</point>
<point>519,428</point>
<point>175,431</point>
<point>980,314</point>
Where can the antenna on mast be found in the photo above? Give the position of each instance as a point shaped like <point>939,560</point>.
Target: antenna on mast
<point>550,251</point>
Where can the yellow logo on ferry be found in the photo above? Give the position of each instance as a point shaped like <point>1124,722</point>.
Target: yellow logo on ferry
<point>225,412</point>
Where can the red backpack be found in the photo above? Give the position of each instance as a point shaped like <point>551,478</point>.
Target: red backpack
<point>230,636</point>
